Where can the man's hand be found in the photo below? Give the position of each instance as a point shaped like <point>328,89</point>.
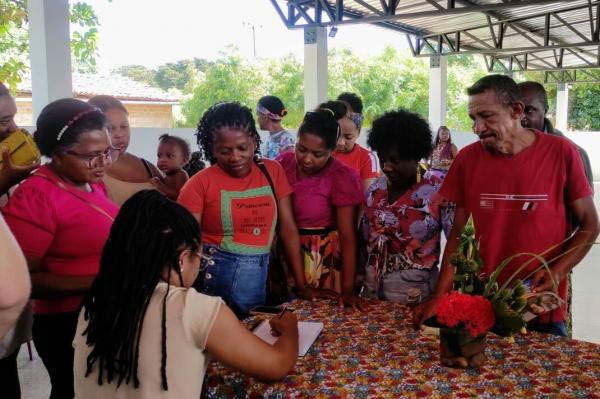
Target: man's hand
<point>542,280</point>
<point>11,174</point>
<point>312,294</point>
<point>423,311</point>
<point>352,301</point>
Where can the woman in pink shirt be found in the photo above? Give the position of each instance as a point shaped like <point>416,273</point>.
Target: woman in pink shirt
<point>326,197</point>
<point>61,218</point>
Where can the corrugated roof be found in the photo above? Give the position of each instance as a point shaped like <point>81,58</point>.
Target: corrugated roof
<point>513,35</point>
<point>121,87</point>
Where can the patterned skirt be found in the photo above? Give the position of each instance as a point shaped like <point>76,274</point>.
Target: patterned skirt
<point>321,258</point>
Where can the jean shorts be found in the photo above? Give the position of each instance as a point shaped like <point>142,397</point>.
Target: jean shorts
<point>240,280</point>
<point>401,286</point>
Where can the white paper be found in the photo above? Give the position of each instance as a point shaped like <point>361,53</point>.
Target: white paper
<point>308,331</point>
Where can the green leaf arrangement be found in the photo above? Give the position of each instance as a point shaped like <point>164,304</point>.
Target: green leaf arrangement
<point>508,300</point>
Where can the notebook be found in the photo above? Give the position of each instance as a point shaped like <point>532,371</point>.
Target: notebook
<point>308,331</point>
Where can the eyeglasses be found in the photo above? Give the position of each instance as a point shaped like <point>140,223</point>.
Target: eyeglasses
<point>94,161</point>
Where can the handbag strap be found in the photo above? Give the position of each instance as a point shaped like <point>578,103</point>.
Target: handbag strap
<point>263,168</point>
<point>62,186</point>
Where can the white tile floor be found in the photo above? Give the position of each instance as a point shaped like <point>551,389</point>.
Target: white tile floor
<point>586,323</point>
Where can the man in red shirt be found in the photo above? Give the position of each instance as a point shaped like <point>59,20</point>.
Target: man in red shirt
<point>518,184</point>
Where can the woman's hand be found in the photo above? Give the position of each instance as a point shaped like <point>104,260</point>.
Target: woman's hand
<point>11,174</point>
<point>312,294</point>
<point>424,311</point>
<point>284,324</point>
<point>353,301</point>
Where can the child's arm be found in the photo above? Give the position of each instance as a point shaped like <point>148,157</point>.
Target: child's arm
<point>171,185</point>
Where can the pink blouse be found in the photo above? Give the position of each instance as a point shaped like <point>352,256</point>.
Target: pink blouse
<point>316,197</point>
<point>66,230</point>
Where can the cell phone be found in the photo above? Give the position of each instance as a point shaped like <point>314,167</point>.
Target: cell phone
<point>270,310</point>
<point>21,147</point>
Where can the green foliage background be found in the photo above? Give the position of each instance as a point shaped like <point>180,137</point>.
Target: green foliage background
<point>14,40</point>
<point>385,81</point>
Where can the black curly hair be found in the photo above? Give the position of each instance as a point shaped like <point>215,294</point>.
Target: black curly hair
<point>353,100</point>
<point>338,108</point>
<point>406,132</point>
<point>224,114</point>
<point>322,123</point>
<point>178,141</point>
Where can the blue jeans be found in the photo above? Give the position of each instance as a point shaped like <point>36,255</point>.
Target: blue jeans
<point>555,328</point>
<point>241,280</point>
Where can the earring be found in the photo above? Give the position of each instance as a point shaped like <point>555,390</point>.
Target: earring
<point>180,265</point>
<point>418,173</point>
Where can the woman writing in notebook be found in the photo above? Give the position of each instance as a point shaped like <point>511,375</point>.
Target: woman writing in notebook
<point>143,332</point>
<point>61,217</point>
<point>239,202</point>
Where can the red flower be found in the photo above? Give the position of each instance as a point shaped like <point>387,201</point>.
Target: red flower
<point>474,311</point>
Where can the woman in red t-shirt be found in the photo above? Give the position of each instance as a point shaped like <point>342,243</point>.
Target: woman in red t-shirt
<point>239,202</point>
<point>61,217</point>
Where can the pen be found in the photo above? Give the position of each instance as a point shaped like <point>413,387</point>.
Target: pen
<point>282,311</point>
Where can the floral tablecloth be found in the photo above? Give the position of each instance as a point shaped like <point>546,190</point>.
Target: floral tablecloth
<point>377,354</point>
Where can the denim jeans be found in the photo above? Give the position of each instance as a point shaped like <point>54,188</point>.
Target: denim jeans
<point>239,279</point>
<point>555,328</point>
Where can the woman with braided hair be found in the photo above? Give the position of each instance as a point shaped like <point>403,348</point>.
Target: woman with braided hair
<point>144,333</point>
<point>239,201</point>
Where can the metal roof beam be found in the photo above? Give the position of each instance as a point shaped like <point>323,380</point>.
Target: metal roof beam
<point>421,14</point>
<point>521,19</point>
<point>514,50</point>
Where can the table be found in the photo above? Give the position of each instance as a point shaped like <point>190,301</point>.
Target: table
<point>378,354</point>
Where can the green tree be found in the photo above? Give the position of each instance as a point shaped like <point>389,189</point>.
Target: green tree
<point>231,78</point>
<point>463,71</point>
<point>584,107</point>
<point>285,79</point>
<point>175,74</point>
<point>138,73</point>
<point>14,39</point>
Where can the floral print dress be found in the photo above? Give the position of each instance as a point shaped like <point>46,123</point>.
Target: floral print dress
<point>402,240</point>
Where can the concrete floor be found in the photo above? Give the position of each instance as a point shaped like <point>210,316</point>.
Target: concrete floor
<point>586,323</point>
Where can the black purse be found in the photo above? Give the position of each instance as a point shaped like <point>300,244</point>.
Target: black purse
<point>277,291</point>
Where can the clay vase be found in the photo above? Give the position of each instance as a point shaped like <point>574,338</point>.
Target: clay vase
<point>459,349</point>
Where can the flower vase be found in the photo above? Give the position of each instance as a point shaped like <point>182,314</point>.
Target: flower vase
<point>459,349</point>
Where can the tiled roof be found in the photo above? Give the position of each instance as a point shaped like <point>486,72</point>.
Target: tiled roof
<point>121,87</point>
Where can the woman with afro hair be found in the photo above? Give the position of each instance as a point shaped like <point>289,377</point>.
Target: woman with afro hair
<point>404,215</point>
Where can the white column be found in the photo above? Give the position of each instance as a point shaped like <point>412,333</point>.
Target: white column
<point>437,91</point>
<point>50,52</point>
<point>315,67</point>
<point>562,106</point>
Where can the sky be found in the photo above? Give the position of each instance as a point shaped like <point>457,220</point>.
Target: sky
<point>153,32</point>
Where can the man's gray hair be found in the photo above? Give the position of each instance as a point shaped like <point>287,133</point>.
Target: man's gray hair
<point>507,91</point>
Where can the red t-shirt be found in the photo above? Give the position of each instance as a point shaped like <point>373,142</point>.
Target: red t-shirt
<point>65,230</point>
<point>365,162</point>
<point>519,203</point>
<point>237,214</point>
